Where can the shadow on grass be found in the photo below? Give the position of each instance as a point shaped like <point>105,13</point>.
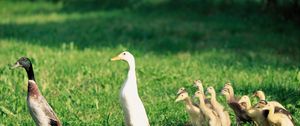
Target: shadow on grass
<point>159,28</point>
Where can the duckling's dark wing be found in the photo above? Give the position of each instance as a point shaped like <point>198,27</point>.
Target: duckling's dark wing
<point>195,104</point>
<point>265,113</point>
<point>54,121</point>
<point>285,112</point>
<point>241,114</point>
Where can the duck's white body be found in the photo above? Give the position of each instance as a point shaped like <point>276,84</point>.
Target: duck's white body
<point>134,111</point>
<point>133,107</point>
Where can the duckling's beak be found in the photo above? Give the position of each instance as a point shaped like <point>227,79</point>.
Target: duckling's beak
<point>17,64</point>
<point>177,100</point>
<point>194,96</point>
<point>179,92</point>
<point>115,58</point>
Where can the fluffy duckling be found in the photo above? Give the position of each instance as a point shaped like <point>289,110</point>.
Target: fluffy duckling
<point>231,91</point>
<point>241,115</point>
<point>40,110</point>
<point>280,118</point>
<point>193,110</point>
<point>199,85</point>
<point>261,96</point>
<point>180,90</point>
<point>134,110</point>
<point>224,116</point>
<point>259,116</point>
<point>208,112</point>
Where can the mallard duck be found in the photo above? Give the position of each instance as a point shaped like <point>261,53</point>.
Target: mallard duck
<point>133,108</point>
<point>40,110</point>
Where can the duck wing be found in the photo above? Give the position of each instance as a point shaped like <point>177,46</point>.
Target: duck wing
<point>285,112</point>
<point>47,109</point>
<point>196,105</point>
<point>241,114</point>
<point>265,113</point>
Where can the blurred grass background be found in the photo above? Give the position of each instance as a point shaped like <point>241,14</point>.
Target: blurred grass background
<point>254,44</point>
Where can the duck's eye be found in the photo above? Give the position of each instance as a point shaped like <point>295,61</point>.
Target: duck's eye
<point>124,53</point>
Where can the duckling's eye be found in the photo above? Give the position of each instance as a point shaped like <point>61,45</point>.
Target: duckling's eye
<point>124,53</point>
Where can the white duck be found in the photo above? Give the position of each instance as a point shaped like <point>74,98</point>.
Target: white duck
<point>134,111</point>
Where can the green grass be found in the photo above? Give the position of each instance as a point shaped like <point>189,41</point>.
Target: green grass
<point>70,51</point>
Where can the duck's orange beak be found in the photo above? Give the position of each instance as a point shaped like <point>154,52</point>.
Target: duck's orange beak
<point>115,58</point>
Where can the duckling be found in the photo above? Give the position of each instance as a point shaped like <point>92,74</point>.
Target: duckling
<point>281,118</point>
<point>199,85</point>
<point>224,116</point>
<point>40,110</point>
<point>180,90</point>
<point>261,96</point>
<point>133,107</point>
<point>208,112</point>
<point>194,112</point>
<point>256,114</point>
<point>228,85</point>
<point>241,115</point>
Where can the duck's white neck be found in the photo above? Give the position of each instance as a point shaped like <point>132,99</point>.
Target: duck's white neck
<point>131,82</point>
<point>131,71</point>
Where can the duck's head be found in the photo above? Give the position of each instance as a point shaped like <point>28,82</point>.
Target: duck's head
<point>258,93</point>
<point>228,85</point>
<point>211,90</point>
<point>243,105</point>
<point>126,56</point>
<point>225,91</point>
<point>182,96</point>
<point>22,62</point>
<point>197,83</point>
<point>198,94</point>
<point>261,104</point>
<point>182,89</point>
<point>245,99</point>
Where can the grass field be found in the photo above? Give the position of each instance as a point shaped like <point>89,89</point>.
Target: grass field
<point>70,50</point>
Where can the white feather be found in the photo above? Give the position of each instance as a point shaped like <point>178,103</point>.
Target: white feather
<point>134,111</point>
